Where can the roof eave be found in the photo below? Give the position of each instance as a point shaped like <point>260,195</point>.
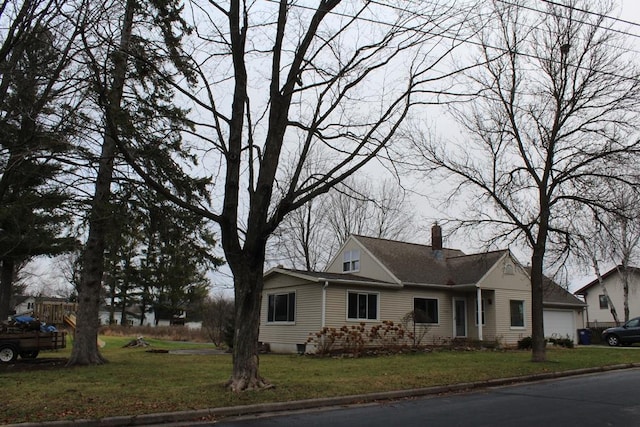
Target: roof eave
<point>441,286</point>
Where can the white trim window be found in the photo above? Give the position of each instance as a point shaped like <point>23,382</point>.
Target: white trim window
<point>603,301</point>
<point>516,308</point>
<point>362,306</point>
<point>281,308</point>
<point>425,311</point>
<point>351,261</point>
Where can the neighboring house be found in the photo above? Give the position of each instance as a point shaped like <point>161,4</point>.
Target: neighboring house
<point>133,314</point>
<point>372,280</point>
<point>151,318</point>
<point>598,308</point>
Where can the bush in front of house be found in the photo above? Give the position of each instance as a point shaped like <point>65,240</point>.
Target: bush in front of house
<point>525,343</point>
<point>561,342</point>
<point>355,339</point>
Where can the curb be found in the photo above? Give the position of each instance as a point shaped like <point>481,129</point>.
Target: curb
<point>202,414</point>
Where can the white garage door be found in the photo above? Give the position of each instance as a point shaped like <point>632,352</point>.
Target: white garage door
<point>559,324</point>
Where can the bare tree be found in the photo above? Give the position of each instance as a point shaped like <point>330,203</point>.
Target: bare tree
<point>616,240</point>
<point>625,242</point>
<point>302,240</point>
<point>310,236</point>
<point>553,121</point>
<point>359,207</point>
<point>281,78</point>
<point>593,248</point>
<point>218,312</point>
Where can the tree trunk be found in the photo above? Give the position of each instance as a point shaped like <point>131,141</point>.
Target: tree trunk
<point>85,346</point>
<point>248,297</point>
<point>538,349</point>
<point>6,287</point>
<point>605,292</point>
<point>625,291</point>
<point>123,311</point>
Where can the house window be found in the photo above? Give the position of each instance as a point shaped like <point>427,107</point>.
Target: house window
<point>282,307</point>
<point>425,310</point>
<point>476,309</point>
<point>508,269</point>
<point>517,313</point>
<point>351,261</point>
<point>604,302</point>
<point>362,306</point>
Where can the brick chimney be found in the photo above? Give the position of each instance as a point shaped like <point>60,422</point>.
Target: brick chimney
<point>436,237</point>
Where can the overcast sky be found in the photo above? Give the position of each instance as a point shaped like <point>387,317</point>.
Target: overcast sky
<point>45,273</point>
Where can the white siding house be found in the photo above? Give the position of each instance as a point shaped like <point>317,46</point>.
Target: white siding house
<point>599,308</point>
<point>373,280</point>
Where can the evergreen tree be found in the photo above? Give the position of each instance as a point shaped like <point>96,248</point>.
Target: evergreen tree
<point>129,69</point>
<point>34,213</point>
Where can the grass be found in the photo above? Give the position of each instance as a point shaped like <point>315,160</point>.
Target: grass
<point>137,382</point>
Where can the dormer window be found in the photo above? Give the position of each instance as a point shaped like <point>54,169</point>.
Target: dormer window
<point>351,261</point>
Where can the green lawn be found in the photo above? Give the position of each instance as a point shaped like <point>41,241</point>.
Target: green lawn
<point>138,382</point>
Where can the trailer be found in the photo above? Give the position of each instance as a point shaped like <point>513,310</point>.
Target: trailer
<point>25,336</point>
<point>28,344</point>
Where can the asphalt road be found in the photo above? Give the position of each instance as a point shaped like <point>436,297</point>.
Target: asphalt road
<point>603,399</point>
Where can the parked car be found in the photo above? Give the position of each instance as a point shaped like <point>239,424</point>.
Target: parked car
<point>625,334</point>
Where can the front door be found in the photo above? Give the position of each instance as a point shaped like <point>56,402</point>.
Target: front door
<point>460,317</point>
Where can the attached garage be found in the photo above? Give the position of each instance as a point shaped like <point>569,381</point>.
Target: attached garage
<point>563,313</point>
<point>560,324</point>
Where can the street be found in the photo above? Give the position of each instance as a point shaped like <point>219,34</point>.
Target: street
<point>603,399</point>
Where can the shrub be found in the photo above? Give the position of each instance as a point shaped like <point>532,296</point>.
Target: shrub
<point>562,342</point>
<point>354,339</point>
<point>218,320</point>
<point>525,343</point>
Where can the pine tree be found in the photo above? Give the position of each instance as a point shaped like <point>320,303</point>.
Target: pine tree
<point>33,204</point>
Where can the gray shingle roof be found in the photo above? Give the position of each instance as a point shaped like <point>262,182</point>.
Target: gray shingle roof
<point>556,295</point>
<point>414,263</point>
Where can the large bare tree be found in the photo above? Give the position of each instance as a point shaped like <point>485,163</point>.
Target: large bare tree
<point>611,238</point>
<point>310,236</point>
<point>277,79</point>
<point>552,120</point>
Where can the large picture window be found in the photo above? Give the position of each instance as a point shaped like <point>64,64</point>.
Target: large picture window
<point>351,261</point>
<point>517,313</point>
<point>362,306</point>
<point>425,310</point>
<point>282,307</point>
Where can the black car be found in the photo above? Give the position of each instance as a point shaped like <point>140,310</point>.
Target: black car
<point>625,334</point>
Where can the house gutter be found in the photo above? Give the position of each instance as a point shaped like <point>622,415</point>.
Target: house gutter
<point>324,305</point>
<point>361,282</point>
<point>430,285</point>
<point>479,311</point>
